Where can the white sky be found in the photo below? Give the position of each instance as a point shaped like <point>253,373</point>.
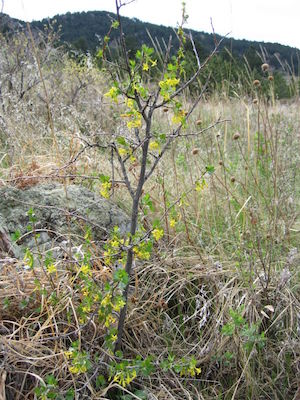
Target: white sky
<point>261,20</point>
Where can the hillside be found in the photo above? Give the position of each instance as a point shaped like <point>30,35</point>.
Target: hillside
<point>84,31</point>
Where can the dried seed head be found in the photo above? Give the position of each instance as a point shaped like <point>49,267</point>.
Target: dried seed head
<point>265,67</point>
<point>220,162</point>
<point>271,78</point>
<point>236,136</point>
<point>198,122</point>
<point>256,82</point>
<point>232,179</point>
<point>255,101</point>
<point>195,151</point>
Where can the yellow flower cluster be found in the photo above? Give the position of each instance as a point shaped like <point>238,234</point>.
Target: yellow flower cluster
<point>80,362</point>
<point>123,152</point>
<point>133,114</point>
<point>157,233</point>
<point>199,186</point>
<point>78,369</point>
<point>125,378</point>
<point>179,117</point>
<point>105,189</point>
<point>113,94</point>
<point>191,371</point>
<point>85,269</point>
<point>173,222</point>
<point>168,86</point>
<point>154,145</point>
<point>141,253</point>
<point>146,64</point>
<point>109,320</point>
<point>51,269</point>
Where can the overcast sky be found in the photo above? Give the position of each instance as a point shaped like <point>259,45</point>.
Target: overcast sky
<point>261,20</point>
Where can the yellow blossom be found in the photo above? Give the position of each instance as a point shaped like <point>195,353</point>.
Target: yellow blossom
<point>51,269</point>
<point>114,243</point>
<point>106,300</point>
<point>136,123</point>
<point>122,152</point>
<point>179,117</point>
<point>114,338</point>
<point>96,297</point>
<point>85,269</point>
<point>173,222</point>
<point>105,188</point>
<point>113,94</point>
<point>200,185</point>
<point>145,67</point>
<point>125,380</point>
<point>68,354</point>
<point>154,145</point>
<point>157,233</point>
<point>78,369</point>
<point>109,321</point>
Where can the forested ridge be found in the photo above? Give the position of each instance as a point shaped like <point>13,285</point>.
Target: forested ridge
<point>85,30</point>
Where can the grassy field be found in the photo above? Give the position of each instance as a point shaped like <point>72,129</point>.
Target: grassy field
<point>222,286</point>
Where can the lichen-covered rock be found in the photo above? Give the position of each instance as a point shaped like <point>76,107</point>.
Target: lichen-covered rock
<point>49,214</point>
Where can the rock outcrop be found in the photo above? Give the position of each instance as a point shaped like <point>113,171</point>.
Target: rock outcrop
<point>48,215</point>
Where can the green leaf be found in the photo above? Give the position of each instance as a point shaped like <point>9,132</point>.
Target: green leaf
<point>70,395</point>
<point>121,140</point>
<point>23,304</point>
<point>119,354</point>
<point>6,303</point>
<point>16,235</point>
<point>228,329</point>
<point>28,258</point>
<point>146,200</point>
<point>237,317</point>
<point>132,64</point>
<point>51,395</point>
<point>121,276</point>
<point>100,381</point>
<point>138,55</point>
<point>210,169</point>
<point>50,380</point>
<point>141,394</point>
<point>156,223</point>
<point>115,24</point>
<point>148,51</point>
<point>172,68</point>
<point>104,178</point>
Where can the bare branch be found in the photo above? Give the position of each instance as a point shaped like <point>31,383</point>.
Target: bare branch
<point>176,134</point>
<point>192,79</point>
<point>124,172</point>
<point>209,127</point>
<point>195,51</point>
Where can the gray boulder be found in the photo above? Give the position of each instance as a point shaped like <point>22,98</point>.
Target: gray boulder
<point>50,215</point>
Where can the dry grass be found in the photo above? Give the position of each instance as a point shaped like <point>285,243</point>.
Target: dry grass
<point>236,242</point>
